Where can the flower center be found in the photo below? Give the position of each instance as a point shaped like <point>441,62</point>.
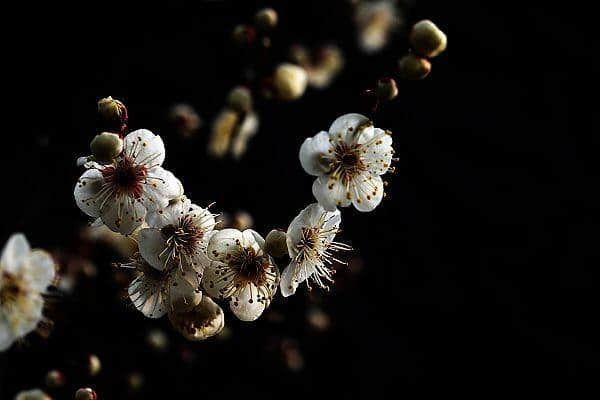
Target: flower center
<point>126,176</point>
<point>183,237</point>
<point>250,267</point>
<point>347,162</point>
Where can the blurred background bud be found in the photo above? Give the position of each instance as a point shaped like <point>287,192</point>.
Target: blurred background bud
<point>375,22</point>
<point>240,99</point>
<point>321,66</point>
<point>223,129</point>
<point>266,19</point>
<point>291,356</point>
<point>135,381</point>
<point>427,39</point>
<point>290,81</point>
<point>275,243</point>
<point>86,394</point>
<point>244,35</point>
<point>318,319</point>
<point>55,379</point>
<point>157,340</point>
<point>124,245</point>
<point>94,366</point>
<point>242,220</point>
<point>386,89</point>
<point>246,130</point>
<point>203,321</point>
<point>34,394</point>
<point>106,146</point>
<point>413,67</point>
<point>184,119</point>
<point>224,220</point>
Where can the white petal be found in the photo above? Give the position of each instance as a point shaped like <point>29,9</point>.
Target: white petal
<point>40,270</point>
<point>184,290</point>
<point>216,278</point>
<point>378,151</point>
<point>170,214</point>
<point>15,251</point>
<point>287,284</point>
<point>224,244</point>
<point>346,127</point>
<point>246,305</point>
<point>368,192</point>
<point>6,336</point>
<point>160,187</point>
<point>146,296</point>
<point>123,214</point>
<point>152,243</point>
<point>330,193</point>
<point>314,153</point>
<point>27,314</point>
<point>145,148</point>
<point>253,239</point>
<point>86,189</point>
<point>203,218</point>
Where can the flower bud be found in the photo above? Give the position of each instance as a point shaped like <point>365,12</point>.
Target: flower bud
<point>427,39</point>
<point>240,99</point>
<point>135,381</point>
<point>290,81</point>
<point>203,321</point>
<point>157,340</point>
<point>242,220</point>
<point>93,365</point>
<point>413,67</point>
<point>223,128</point>
<point>86,394</point>
<point>386,89</point>
<point>184,119</point>
<point>275,243</point>
<point>34,394</point>
<point>55,379</point>
<point>106,146</point>
<point>244,35</point>
<point>113,112</point>
<point>266,19</point>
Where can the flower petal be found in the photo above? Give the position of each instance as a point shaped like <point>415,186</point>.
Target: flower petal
<point>184,290</point>
<point>216,278</point>
<point>152,243</point>
<point>123,214</point>
<point>15,252</point>
<point>146,295</point>
<point>160,187</point>
<point>314,152</point>
<point>331,193</point>
<point>224,244</point>
<point>368,192</point>
<point>41,270</point>
<point>253,239</point>
<point>145,148</point>
<point>86,190</point>
<point>378,151</point>
<point>246,305</point>
<point>170,214</point>
<point>347,127</point>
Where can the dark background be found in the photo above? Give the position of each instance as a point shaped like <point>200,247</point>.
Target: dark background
<point>480,268</point>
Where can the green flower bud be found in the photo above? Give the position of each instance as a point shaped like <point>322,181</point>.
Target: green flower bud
<point>386,89</point>
<point>413,67</point>
<point>266,19</point>
<point>427,39</point>
<point>113,112</point>
<point>106,146</point>
<point>290,81</point>
<point>240,99</point>
<point>275,243</point>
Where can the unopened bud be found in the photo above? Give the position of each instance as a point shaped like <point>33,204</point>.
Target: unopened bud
<point>276,244</point>
<point>113,112</point>
<point>240,99</point>
<point>86,394</point>
<point>386,89</point>
<point>93,365</point>
<point>157,340</point>
<point>413,67</point>
<point>55,379</point>
<point>35,394</point>
<point>203,321</point>
<point>106,147</point>
<point>244,35</point>
<point>242,220</point>
<point>427,39</point>
<point>290,81</point>
<point>266,19</point>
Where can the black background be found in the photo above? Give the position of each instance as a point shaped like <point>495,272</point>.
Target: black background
<point>480,266</point>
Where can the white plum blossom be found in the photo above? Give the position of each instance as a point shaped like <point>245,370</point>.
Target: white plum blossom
<point>348,161</point>
<point>25,274</point>
<point>241,272</point>
<point>179,232</point>
<point>169,288</point>
<point>121,193</point>
<point>311,246</point>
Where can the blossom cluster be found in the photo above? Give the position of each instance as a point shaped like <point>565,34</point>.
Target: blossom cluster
<point>185,264</point>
